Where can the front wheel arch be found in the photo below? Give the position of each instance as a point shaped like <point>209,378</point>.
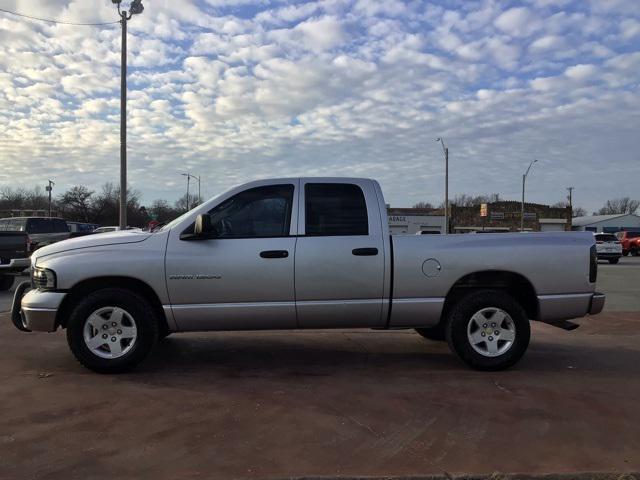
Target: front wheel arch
<point>85,287</point>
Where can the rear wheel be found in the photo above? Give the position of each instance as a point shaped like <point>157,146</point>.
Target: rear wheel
<point>6,282</point>
<point>614,260</point>
<point>488,330</point>
<point>633,251</point>
<point>436,333</point>
<point>112,330</point>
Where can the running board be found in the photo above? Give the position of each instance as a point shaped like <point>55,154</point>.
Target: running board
<point>563,324</point>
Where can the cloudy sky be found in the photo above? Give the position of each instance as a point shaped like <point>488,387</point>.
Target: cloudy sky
<point>236,90</point>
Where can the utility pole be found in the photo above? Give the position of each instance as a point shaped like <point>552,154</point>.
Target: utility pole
<point>570,198</point>
<point>445,149</point>
<point>524,179</point>
<point>136,7</point>
<point>49,188</point>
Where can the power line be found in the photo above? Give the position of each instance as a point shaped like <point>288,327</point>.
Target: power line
<point>56,21</point>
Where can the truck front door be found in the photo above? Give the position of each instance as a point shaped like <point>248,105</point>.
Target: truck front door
<point>243,278</point>
<point>339,268</point>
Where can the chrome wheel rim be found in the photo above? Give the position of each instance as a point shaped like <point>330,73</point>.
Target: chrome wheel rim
<point>110,332</point>
<point>491,332</point>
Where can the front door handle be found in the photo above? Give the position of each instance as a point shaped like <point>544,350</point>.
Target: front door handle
<point>274,254</point>
<point>365,252</point>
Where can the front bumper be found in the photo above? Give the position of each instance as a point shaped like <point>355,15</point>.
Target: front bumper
<point>39,309</point>
<point>15,265</point>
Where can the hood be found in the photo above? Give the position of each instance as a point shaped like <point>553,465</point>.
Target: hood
<point>95,240</point>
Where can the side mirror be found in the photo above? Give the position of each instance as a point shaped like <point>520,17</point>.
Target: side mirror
<point>203,227</point>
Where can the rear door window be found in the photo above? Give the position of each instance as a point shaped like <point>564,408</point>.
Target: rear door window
<point>39,225</point>
<point>335,209</point>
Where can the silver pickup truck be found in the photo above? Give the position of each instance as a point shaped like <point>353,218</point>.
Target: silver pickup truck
<point>305,253</point>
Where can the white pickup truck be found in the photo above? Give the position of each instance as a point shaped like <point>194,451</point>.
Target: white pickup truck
<point>305,253</point>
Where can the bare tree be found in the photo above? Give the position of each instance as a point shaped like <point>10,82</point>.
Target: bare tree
<point>181,203</point>
<point>464,200</point>
<point>619,206</point>
<point>424,205</point>
<point>75,203</point>
<point>575,211</point>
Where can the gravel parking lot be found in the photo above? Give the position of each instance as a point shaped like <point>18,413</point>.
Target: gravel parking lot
<point>342,403</point>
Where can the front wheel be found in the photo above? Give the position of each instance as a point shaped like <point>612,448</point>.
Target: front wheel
<point>488,330</point>
<point>112,330</point>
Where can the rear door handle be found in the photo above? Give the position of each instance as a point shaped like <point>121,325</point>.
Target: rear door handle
<point>364,252</point>
<point>274,254</point>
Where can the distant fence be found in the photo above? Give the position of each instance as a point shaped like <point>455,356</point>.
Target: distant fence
<point>27,213</point>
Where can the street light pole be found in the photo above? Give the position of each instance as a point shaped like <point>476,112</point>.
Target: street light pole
<point>135,8</point>
<point>49,189</point>
<point>445,149</point>
<point>123,124</point>
<point>189,176</point>
<point>524,179</point>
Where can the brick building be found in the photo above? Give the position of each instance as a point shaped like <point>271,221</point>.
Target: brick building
<point>505,217</point>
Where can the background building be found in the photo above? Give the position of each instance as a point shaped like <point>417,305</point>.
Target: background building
<point>505,217</point>
<point>412,220</point>
<point>501,217</point>
<point>607,223</point>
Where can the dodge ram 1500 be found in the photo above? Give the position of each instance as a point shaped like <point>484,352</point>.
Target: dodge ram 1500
<point>305,253</point>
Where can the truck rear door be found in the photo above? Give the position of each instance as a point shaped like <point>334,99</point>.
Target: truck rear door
<point>340,260</point>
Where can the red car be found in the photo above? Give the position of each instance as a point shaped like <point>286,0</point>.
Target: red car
<point>630,243</point>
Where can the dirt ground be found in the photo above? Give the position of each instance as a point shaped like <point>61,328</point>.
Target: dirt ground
<point>339,403</point>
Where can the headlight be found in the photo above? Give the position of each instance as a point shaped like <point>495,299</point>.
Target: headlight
<point>43,279</point>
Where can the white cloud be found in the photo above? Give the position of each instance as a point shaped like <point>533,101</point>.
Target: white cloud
<point>548,42</point>
<point>517,22</point>
<point>581,72</point>
<point>321,34</point>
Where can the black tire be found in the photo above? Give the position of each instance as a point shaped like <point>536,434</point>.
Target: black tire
<point>460,317</point>
<point>143,315</point>
<point>625,253</point>
<point>437,333</point>
<point>6,282</point>
<point>633,251</point>
<point>614,260</point>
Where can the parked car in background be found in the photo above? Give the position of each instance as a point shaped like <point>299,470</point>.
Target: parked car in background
<point>41,230</point>
<point>14,256</point>
<point>608,247</point>
<point>306,253</point>
<point>630,242</point>
<point>79,229</point>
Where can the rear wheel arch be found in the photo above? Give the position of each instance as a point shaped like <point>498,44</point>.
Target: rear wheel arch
<point>514,284</point>
<point>85,287</point>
